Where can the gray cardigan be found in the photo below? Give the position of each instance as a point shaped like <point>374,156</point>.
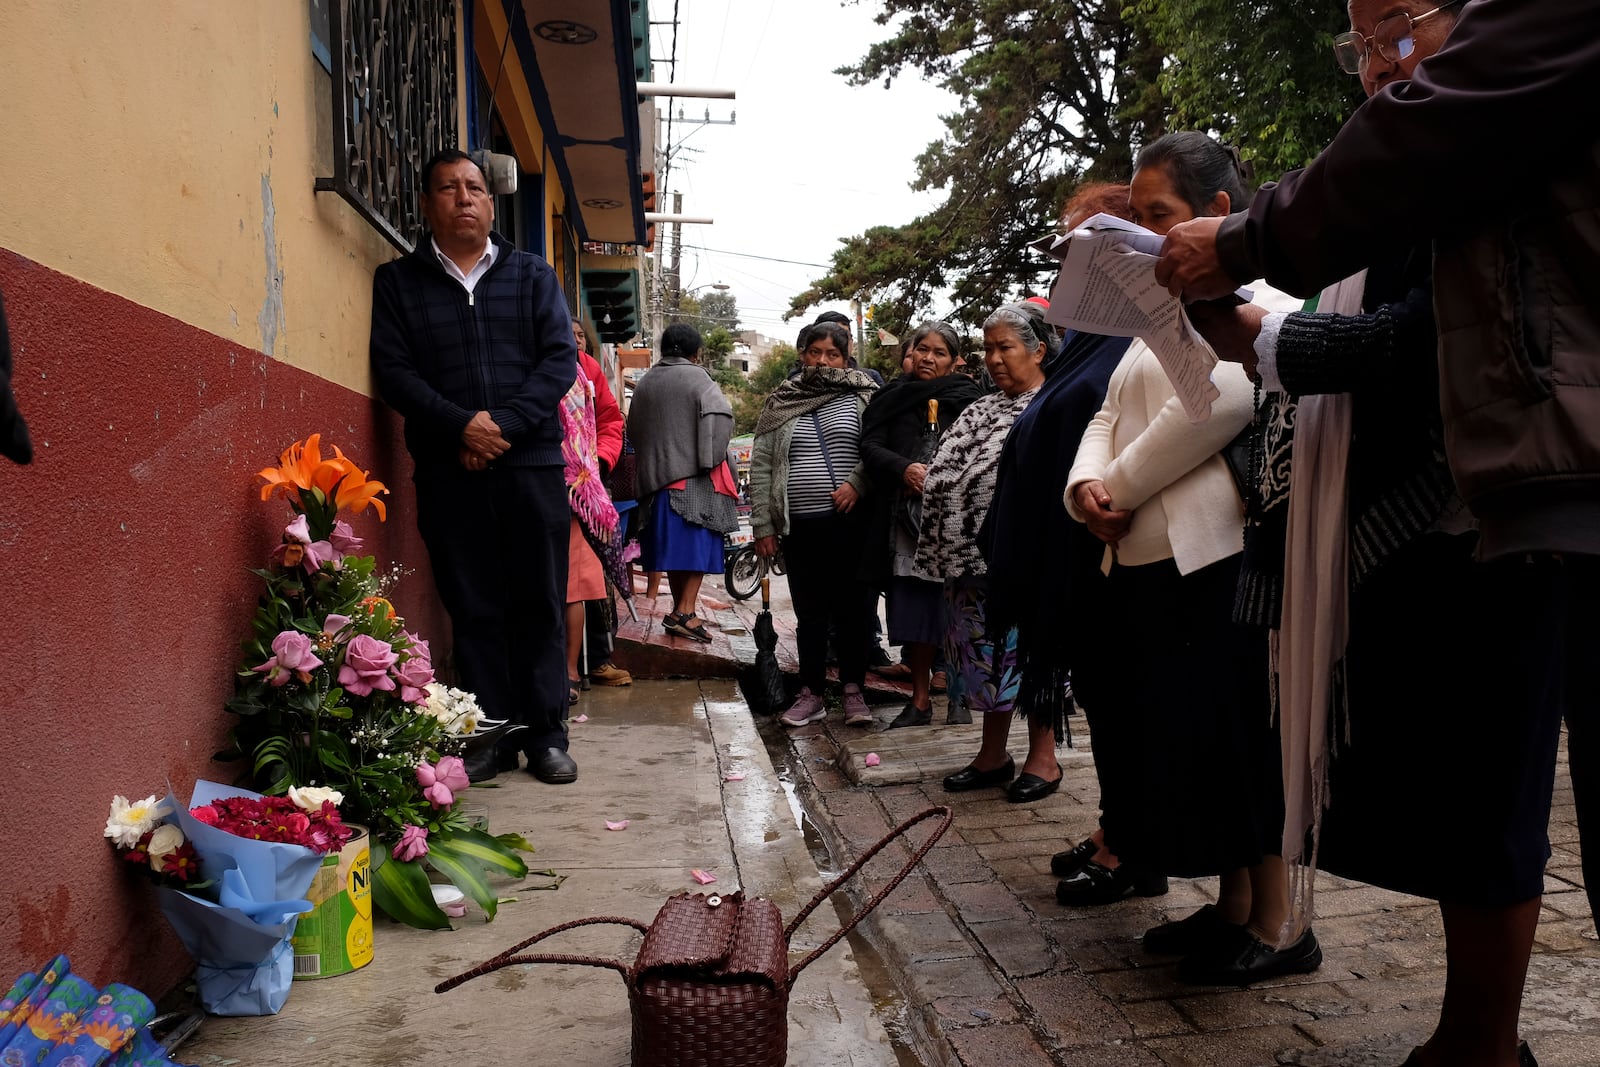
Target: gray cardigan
<point>679,424</point>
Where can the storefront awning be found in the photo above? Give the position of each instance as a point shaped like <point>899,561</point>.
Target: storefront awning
<point>579,60</point>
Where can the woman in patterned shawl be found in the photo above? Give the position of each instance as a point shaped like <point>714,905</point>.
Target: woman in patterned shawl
<point>955,499</point>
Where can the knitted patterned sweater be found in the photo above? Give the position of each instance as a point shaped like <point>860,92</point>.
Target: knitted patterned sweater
<point>1399,481</point>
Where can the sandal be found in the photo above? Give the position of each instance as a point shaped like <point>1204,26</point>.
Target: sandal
<point>685,626</point>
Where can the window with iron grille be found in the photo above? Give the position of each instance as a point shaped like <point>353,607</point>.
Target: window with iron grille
<point>394,105</point>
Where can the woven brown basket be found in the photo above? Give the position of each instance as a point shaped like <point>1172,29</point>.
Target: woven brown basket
<point>710,986</point>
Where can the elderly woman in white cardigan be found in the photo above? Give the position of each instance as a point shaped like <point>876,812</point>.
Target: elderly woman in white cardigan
<point>1192,742</point>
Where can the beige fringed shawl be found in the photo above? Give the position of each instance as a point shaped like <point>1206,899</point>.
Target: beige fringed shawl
<point>1310,644</point>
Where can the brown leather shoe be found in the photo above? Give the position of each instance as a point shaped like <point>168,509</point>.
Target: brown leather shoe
<point>609,673</point>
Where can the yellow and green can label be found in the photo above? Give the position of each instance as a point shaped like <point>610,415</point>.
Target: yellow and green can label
<point>335,936</point>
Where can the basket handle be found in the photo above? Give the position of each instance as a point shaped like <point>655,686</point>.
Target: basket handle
<point>945,816</point>
<point>507,958</point>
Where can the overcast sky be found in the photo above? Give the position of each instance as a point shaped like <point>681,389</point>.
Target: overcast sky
<point>810,159</point>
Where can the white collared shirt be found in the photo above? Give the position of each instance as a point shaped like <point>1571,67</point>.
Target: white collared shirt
<point>469,280</point>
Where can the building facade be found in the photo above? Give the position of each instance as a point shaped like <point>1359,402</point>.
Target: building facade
<point>186,252</point>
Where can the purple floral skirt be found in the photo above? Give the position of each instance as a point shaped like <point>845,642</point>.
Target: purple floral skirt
<point>981,666</point>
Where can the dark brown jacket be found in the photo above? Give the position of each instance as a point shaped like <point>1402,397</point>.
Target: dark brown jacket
<point>1492,150</point>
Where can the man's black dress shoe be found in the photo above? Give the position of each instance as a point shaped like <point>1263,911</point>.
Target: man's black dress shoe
<point>1097,884</point>
<point>1193,933</point>
<point>1030,787</point>
<point>552,766</point>
<point>482,766</point>
<point>1068,863</point>
<point>969,777</point>
<point>1241,958</point>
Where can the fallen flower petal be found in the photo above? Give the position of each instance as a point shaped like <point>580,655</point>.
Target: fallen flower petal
<point>581,718</point>
<point>622,825</point>
<point>702,877</point>
<point>733,776</point>
<point>872,759</point>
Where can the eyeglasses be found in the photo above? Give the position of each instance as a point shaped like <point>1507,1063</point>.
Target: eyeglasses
<point>1391,38</point>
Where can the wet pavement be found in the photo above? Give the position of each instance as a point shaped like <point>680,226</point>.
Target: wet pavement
<point>657,754</point>
<point>970,962</point>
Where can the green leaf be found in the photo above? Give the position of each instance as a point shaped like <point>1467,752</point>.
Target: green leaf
<point>468,857</point>
<point>401,891</point>
<point>478,847</point>
<point>516,841</point>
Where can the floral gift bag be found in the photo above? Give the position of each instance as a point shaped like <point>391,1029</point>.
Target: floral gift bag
<point>53,1018</point>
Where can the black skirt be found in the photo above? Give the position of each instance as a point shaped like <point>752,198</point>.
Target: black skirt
<point>1454,690</point>
<point>1187,724</point>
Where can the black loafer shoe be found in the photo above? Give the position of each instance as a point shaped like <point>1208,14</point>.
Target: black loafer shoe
<point>1189,935</point>
<point>1030,787</point>
<point>553,767</point>
<point>482,766</point>
<point>1068,863</point>
<point>969,777</point>
<point>911,715</point>
<point>1242,958</point>
<point>1524,1057</point>
<point>1096,884</point>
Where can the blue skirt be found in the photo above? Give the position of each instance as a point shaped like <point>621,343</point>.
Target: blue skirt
<point>670,542</point>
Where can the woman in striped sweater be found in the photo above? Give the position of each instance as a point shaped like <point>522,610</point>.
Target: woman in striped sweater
<point>806,478</point>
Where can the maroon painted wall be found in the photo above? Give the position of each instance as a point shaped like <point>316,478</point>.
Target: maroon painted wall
<point>124,550</point>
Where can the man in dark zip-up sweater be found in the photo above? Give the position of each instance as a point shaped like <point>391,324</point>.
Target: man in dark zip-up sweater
<point>472,344</point>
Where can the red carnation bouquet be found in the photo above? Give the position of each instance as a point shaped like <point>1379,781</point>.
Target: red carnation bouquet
<point>235,867</point>
<point>143,834</point>
<point>278,819</point>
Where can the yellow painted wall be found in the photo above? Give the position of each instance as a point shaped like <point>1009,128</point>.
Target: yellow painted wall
<point>166,151</point>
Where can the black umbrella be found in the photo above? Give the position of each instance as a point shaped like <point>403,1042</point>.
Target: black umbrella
<point>767,695</point>
<point>911,503</point>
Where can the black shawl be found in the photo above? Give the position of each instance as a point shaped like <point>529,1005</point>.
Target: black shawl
<point>891,437</point>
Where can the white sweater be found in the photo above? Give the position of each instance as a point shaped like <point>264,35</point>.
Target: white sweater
<point>1164,468</point>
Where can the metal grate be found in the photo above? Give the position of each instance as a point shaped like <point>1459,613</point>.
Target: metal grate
<point>394,105</point>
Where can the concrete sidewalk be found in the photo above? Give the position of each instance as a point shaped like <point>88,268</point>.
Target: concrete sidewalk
<point>995,972</point>
<point>656,754</point>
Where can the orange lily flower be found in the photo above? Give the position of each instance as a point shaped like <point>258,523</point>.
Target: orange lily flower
<point>355,491</point>
<point>301,469</point>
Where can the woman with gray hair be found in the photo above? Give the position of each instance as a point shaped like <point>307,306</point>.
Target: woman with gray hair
<point>956,496</point>
<point>895,430</point>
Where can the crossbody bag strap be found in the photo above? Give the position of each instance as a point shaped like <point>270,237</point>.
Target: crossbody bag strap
<point>945,817</point>
<point>822,443</point>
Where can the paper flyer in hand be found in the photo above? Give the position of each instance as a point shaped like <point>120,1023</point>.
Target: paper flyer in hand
<point>1106,285</point>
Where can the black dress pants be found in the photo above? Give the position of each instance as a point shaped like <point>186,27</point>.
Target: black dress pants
<point>822,554</point>
<point>498,543</point>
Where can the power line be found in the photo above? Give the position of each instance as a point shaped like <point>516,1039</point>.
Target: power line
<point>752,255</point>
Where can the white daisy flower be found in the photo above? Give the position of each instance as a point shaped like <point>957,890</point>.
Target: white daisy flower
<point>129,822</point>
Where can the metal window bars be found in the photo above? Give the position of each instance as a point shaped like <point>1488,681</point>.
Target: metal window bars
<point>394,105</point>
